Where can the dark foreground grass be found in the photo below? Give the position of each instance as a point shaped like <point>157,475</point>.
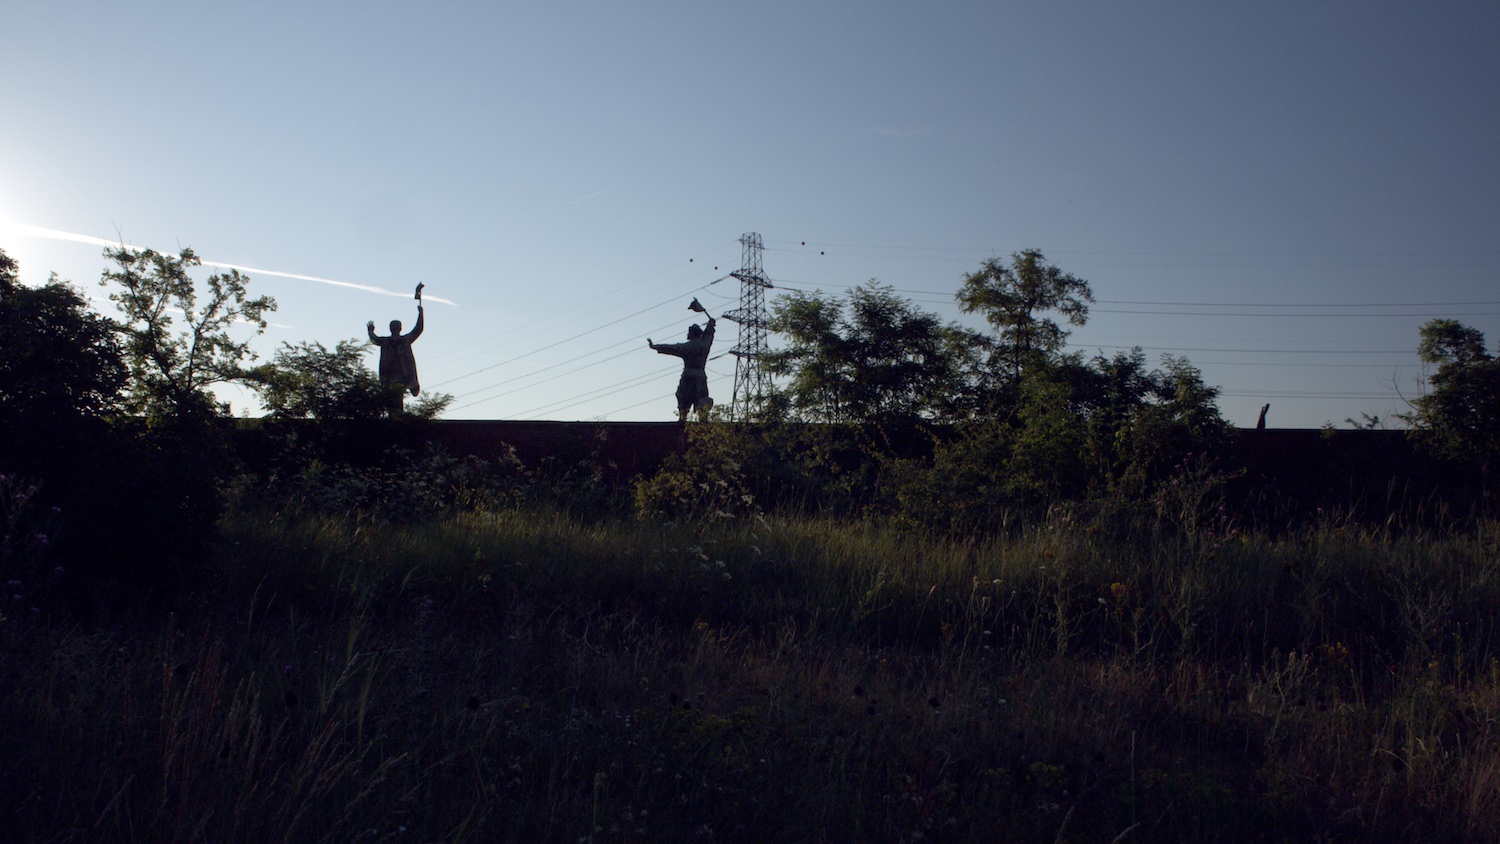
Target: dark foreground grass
<point>529,677</point>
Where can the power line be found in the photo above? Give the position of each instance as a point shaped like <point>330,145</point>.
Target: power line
<point>1230,309</point>
<point>1305,394</point>
<point>1295,304</point>
<point>1143,302</point>
<point>663,398</point>
<point>628,351</point>
<point>719,379</point>
<point>1286,315</point>
<point>1284,364</point>
<point>590,353</point>
<point>535,372</point>
<point>576,305</point>
<point>632,341</point>
<point>554,366</point>
<point>990,250</point>
<point>1235,260</point>
<point>538,322</point>
<point>1259,351</point>
<point>601,392</point>
<point>566,339</point>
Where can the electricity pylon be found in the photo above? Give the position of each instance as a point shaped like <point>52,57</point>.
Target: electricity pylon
<point>749,378</point>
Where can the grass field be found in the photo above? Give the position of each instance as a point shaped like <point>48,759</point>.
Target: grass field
<point>525,675</point>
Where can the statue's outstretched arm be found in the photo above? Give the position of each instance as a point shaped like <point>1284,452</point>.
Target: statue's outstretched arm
<point>416,330</point>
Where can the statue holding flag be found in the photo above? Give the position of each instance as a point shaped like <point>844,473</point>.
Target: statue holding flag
<point>397,363</point>
<point>692,388</point>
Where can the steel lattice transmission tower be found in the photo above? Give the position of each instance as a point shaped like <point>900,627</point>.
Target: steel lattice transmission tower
<point>749,378</point>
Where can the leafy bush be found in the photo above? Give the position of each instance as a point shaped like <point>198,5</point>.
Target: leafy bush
<point>794,467</point>
<point>707,482</point>
<point>311,381</point>
<point>1108,433</point>
<point>410,482</point>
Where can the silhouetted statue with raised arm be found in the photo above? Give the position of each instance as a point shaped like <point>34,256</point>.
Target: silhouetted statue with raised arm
<point>397,363</point>
<point>1260,424</point>
<point>692,389</point>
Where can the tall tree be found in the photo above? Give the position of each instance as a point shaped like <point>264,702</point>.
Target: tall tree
<point>171,372</point>
<point>1459,414</point>
<point>57,358</point>
<point>870,357</point>
<point>1015,298</point>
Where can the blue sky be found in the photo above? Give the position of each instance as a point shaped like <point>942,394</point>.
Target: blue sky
<point>1281,192</point>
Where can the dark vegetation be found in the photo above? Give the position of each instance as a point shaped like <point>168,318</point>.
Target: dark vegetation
<point>946,586</point>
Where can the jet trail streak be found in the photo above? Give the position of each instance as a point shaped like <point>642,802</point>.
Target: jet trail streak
<point>54,234</point>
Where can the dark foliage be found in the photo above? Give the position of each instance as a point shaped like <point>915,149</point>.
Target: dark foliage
<point>131,507</point>
<point>172,370</point>
<point>311,381</point>
<point>1109,432</point>
<point>388,470</point>
<point>1459,415</point>
<point>1014,299</point>
<point>871,359</point>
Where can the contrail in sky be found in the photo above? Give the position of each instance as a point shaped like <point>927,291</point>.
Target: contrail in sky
<point>54,234</point>
<point>582,198</point>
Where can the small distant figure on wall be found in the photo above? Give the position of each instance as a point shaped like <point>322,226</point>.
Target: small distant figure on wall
<point>692,388</point>
<point>397,363</point>
<point>1260,424</point>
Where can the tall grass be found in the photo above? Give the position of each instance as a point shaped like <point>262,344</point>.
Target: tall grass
<point>529,675</point>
